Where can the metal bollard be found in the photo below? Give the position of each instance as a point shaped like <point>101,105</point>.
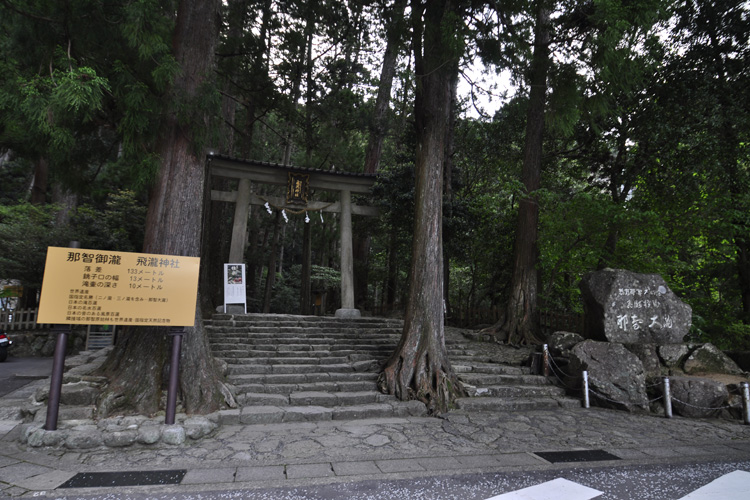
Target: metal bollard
<point>585,389</point>
<point>545,360</point>
<point>667,399</point>
<point>746,403</point>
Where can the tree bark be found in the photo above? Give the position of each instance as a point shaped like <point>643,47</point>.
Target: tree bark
<point>378,129</point>
<point>173,227</point>
<point>379,124</point>
<point>305,299</point>
<point>420,368</point>
<point>39,185</point>
<point>522,316</point>
<point>272,258</point>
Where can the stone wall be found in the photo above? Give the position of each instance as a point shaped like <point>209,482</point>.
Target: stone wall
<point>41,343</point>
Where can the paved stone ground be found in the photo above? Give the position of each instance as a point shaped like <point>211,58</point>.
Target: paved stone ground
<point>315,453</point>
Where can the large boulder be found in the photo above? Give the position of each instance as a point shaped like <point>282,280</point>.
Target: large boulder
<point>709,359</point>
<point>673,356</point>
<point>697,397</point>
<point>647,353</point>
<point>616,375</point>
<point>629,308</point>
<point>560,343</point>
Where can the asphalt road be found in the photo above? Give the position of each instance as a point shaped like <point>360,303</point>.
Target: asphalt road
<point>17,372</point>
<point>647,482</point>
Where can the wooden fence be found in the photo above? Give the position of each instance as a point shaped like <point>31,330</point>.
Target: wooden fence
<point>551,322</point>
<point>20,319</point>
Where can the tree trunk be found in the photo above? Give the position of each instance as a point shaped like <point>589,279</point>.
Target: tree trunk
<point>305,300</point>
<point>522,317</point>
<point>379,124</point>
<point>378,128</point>
<point>450,141</point>
<point>271,275</point>
<point>173,226</point>
<point>390,284</point>
<point>39,184</point>
<point>420,368</point>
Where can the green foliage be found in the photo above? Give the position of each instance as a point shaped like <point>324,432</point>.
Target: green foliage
<point>119,226</point>
<point>25,233</point>
<point>324,278</point>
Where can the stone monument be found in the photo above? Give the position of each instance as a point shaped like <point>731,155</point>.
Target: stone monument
<point>629,308</point>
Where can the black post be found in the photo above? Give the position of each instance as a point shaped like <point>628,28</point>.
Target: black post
<point>174,372</point>
<point>55,386</point>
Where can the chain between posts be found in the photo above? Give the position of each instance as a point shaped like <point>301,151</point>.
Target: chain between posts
<point>549,364</point>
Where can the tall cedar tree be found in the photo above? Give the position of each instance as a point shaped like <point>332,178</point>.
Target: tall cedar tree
<point>377,130</point>
<point>173,227</point>
<point>521,319</point>
<point>419,368</point>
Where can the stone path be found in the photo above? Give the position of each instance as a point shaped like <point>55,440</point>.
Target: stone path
<point>295,454</point>
<point>299,454</point>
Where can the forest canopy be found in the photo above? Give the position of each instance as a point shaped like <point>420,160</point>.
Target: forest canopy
<point>644,160</point>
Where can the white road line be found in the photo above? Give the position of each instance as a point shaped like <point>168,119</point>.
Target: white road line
<point>557,489</point>
<point>734,486</point>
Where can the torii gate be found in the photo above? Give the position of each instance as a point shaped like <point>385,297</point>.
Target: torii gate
<point>298,180</point>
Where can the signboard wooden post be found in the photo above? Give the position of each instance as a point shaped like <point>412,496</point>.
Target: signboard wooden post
<point>100,287</point>
<point>234,285</point>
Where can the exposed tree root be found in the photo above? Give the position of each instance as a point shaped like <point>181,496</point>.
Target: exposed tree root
<point>424,378</point>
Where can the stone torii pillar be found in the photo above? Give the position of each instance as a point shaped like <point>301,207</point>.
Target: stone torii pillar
<point>239,226</point>
<point>347,260</point>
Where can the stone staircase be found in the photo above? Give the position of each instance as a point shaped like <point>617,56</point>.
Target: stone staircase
<point>495,379</point>
<point>308,368</point>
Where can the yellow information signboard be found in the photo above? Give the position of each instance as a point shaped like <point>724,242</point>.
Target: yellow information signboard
<point>94,287</point>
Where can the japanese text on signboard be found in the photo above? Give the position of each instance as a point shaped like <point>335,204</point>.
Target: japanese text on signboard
<point>118,288</point>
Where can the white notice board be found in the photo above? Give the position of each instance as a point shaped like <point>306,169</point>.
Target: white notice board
<point>234,285</point>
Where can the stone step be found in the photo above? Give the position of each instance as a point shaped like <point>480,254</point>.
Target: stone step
<point>298,328</point>
<point>326,369</point>
<point>262,414</point>
<point>296,338</point>
<point>275,351</point>
<point>496,404</point>
<point>516,391</point>
<point>325,386</point>
<point>258,358</point>
<point>300,378</point>
<point>272,343</point>
<point>488,368</point>
<point>351,356</point>
<point>286,319</point>
<point>488,379</point>
<point>250,326</point>
<point>326,399</point>
<point>283,360</point>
